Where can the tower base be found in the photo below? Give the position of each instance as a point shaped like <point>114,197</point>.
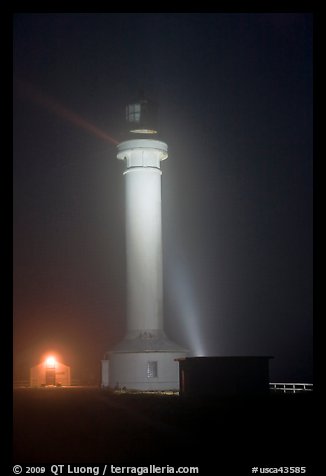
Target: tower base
<point>143,364</point>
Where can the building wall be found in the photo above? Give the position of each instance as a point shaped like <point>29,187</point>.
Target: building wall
<point>144,370</point>
<point>37,375</point>
<point>105,371</point>
<point>62,374</point>
<point>224,376</point>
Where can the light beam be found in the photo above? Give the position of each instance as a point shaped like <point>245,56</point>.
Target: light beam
<point>46,101</point>
<point>183,293</point>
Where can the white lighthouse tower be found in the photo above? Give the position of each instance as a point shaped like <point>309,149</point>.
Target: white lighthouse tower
<point>145,358</point>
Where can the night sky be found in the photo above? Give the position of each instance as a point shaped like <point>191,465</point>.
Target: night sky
<point>235,95</point>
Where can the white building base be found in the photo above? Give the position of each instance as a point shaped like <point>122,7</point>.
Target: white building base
<point>144,371</point>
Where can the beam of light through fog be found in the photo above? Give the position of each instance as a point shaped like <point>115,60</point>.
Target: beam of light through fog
<point>183,296</point>
<point>40,98</point>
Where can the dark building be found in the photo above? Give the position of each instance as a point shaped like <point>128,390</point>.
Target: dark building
<point>223,376</point>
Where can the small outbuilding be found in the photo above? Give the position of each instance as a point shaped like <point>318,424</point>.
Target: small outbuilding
<point>224,376</point>
<point>50,373</point>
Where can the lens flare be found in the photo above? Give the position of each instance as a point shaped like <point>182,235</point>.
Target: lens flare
<point>46,101</point>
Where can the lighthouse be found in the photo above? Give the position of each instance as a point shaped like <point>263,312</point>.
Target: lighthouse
<point>146,358</point>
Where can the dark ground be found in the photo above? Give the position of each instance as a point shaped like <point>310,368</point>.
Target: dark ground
<point>87,425</point>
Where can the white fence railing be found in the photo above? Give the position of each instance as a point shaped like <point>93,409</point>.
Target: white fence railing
<point>291,387</point>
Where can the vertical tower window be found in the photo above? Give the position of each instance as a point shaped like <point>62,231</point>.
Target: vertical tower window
<point>151,369</point>
<point>133,113</point>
